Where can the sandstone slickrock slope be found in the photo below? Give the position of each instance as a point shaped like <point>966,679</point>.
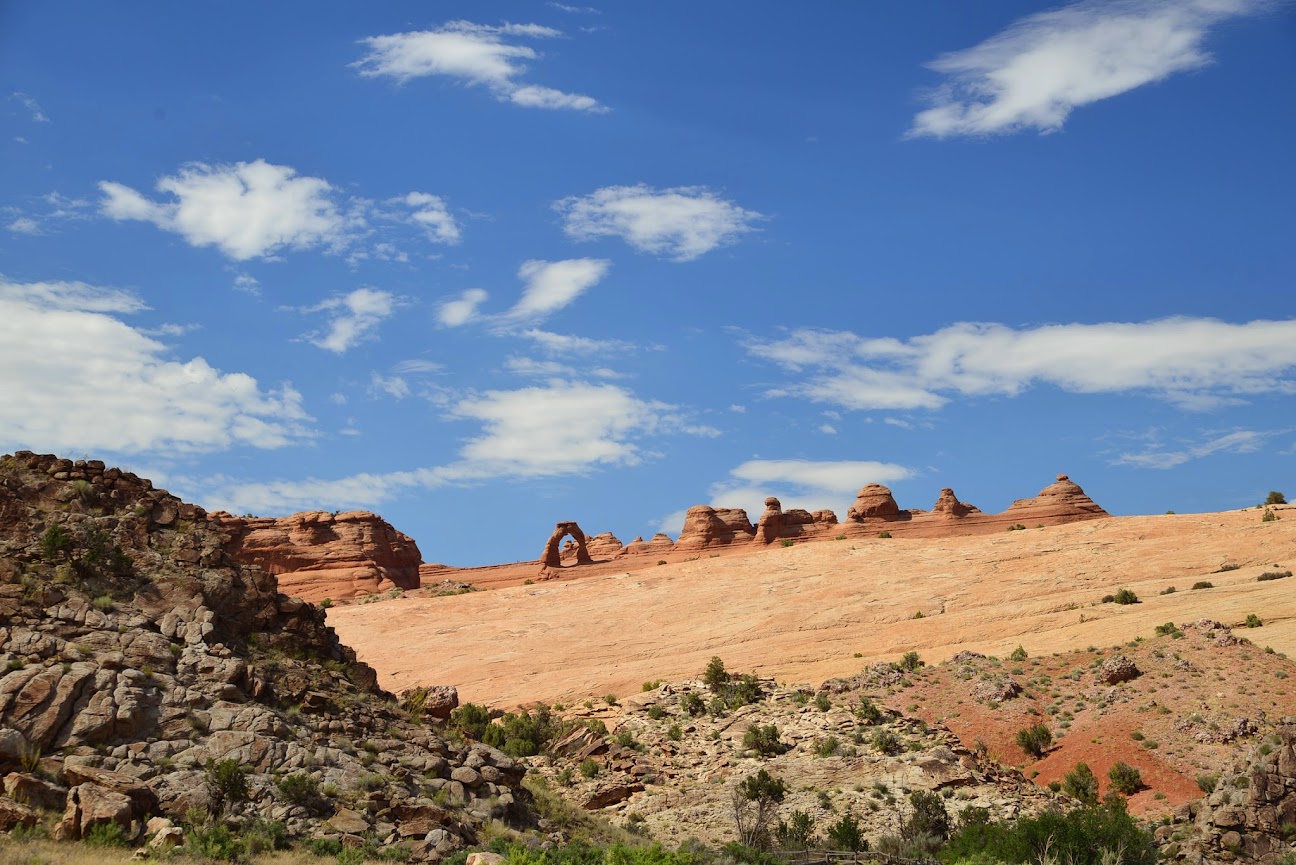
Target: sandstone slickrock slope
<point>135,653</point>
<point>319,555</point>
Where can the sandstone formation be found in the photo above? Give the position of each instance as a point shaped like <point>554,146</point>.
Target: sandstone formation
<point>656,545</point>
<point>319,555</point>
<point>552,555</point>
<point>706,527</point>
<point>1062,501</point>
<point>874,501</point>
<point>136,652</point>
<point>605,546</point>
<point>949,505</point>
<point>777,524</point>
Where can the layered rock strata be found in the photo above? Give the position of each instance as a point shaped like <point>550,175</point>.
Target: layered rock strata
<point>319,555</point>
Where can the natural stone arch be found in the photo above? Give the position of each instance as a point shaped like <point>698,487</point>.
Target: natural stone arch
<point>552,557</point>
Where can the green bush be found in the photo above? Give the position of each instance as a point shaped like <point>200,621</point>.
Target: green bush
<point>298,788</point>
<point>845,834</point>
<point>867,711</point>
<point>910,661</point>
<point>1035,739</point>
<point>55,543</point>
<point>523,734</point>
<point>884,534</point>
<point>822,703</point>
<point>1084,836</point>
<point>1269,516</point>
<point>1125,778</point>
<point>1273,575</point>
<point>764,740</point>
<point>1018,654</point>
<point>471,719</point>
<point>786,542</point>
<point>715,674</point>
<point>692,704</point>
<point>826,746</point>
<point>1203,584</point>
<point>1275,498</point>
<point>1253,621</point>
<point>106,835</point>
<point>797,833</point>
<point>1082,784</point>
<point>885,742</point>
<point>1207,783</point>
<point>226,781</point>
<point>215,842</point>
<point>588,768</point>
<point>929,819</point>
<point>1125,596</point>
<point>674,733</point>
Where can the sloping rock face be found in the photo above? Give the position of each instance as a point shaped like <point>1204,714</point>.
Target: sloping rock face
<point>319,555</point>
<point>135,652</point>
<point>705,526</point>
<point>1250,813</point>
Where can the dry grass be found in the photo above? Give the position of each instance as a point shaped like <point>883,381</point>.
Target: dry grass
<point>44,852</point>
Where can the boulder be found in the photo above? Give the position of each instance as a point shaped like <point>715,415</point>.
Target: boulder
<point>1115,670</point>
<point>949,505</point>
<point>1059,502</point>
<point>873,501</point>
<point>706,526</point>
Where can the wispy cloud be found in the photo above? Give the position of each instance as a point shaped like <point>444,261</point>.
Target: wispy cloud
<point>353,318</point>
<point>462,309</point>
<point>432,214</point>
<point>1044,66</point>
<point>568,344</point>
<point>476,54</point>
<point>79,379</point>
<point>681,223</point>
<point>547,286</point>
<point>1159,457</point>
<point>1194,363</point>
<point>33,107</point>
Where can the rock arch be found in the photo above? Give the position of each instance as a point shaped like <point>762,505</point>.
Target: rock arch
<point>552,557</point>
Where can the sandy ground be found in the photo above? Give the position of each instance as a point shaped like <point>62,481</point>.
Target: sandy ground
<point>816,610</point>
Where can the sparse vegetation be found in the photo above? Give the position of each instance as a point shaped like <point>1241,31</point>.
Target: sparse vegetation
<point>1125,778</point>
<point>1275,498</point>
<point>1018,654</point>
<point>1035,740</point>
<point>1273,575</point>
<point>1269,516</point>
<point>1253,621</point>
<point>1203,584</point>
<point>884,534</point>
<point>764,740</point>
<point>1082,784</point>
<point>755,800</point>
<point>1125,596</point>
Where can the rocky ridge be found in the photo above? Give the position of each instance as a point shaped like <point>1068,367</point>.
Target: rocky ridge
<point>318,555</point>
<point>138,656</point>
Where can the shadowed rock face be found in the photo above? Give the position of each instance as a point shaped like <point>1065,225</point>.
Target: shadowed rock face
<point>319,555</point>
<point>949,505</point>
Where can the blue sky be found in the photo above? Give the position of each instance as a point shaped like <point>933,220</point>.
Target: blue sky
<point>481,267</point>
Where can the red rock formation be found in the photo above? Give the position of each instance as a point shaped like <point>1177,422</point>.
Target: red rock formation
<point>777,524</point>
<point>949,505</point>
<point>705,526</point>
<point>872,502</point>
<point>552,557</point>
<point>319,555</point>
<point>605,546</point>
<point>1062,501</point>
<point>659,543</point>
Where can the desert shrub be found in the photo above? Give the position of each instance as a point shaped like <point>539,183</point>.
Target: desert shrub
<point>1084,836</point>
<point>797,833</point>
<point>523,734</point>
<point>674,733</point>
<point>55,543</point>
<point>692,704</point>
<point>822,703</point>
<point>1273,575</point>
<point>1107,599</point>
<point>786,542</point>
<point>1169,629</point>
<point>324,847</point>
<point>1168,590</point>
<point>610,699</point>
<point>755,800</point>
<point>1203,584</point>
<point>596,726</point>
<point>1253,621</point>
<point>929,819</point>
<point>1207,783</point>
<point>471,719</point>
<point>885,742</point>
<point>1081,783</point>
<point>1226,567</point>
<point>1125,596</point>
<point>214,842</point>
<point>867,711</point>
<point>826,746</point>
<point>742,691</point>
<point>1269,516</point>
<point>588,768</point>
<point>884,534</point>
<point>656,712</point>
<point>764,740</point>
<point>910,661</point>
<point>650,685</point>
<point>1125,778</point>
<point>1275,498</point>
<point>225,781</point>
<point>715,674</point>
<point>661,561</point>
<point>1035,739</point>
<point>1018,654</point>
<point>109,834</point>
<point>845,834</point>
<point>298,788</point>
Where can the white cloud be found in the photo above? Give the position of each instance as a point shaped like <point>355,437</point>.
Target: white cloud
<point>32,106</point>
<point>828,429</point>
<point>475,54</point>
<point>1194,363</point>
<point>561,343</point>
<point>538,368</point>
<point>681,223</point>
<point>432,214</point>
<point>355,317</point>
<point>453,313</point>
<point>247,284</point>
<point>393,386</point>
<point>808,484</point>
<point>1036,72</point>
<point>738,409</point>
<point>525,433</point>
<point>24,225</point>
<point>79,379</point>
<point>247,210</point>
<point>552,285</point>
<point>1238,442</point>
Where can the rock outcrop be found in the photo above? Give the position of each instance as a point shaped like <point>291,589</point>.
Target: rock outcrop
<point>949,505</point>
<point>1061,501</point>
<point>706,527</point>
<point>1249,815</point>
<point>657,544</point>
<point>136,653</point>
<point>319,555</point>
<point>874,501</point>
<point>777,524</point>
